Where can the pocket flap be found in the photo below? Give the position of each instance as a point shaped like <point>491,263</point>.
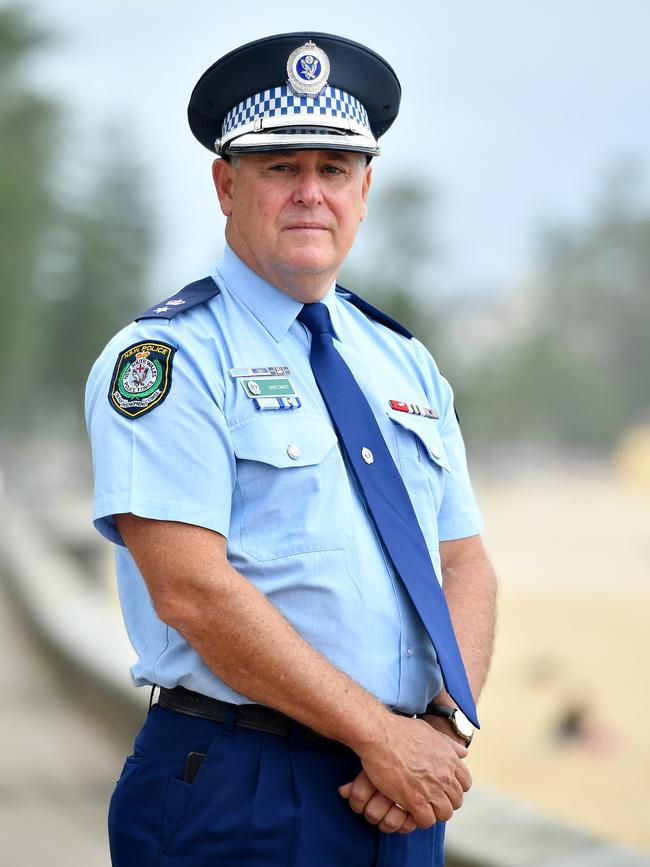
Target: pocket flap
<point>283,439</point>
<point>426,430</point>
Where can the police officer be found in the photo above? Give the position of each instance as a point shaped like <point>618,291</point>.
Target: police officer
<point>267,559</point>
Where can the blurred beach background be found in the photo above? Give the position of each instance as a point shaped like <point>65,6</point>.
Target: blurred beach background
<point>509,228</point>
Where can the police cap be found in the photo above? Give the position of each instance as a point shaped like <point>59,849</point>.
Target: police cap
<point>295,91</point>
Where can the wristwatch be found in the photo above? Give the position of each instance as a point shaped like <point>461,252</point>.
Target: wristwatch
<point>459,722</point>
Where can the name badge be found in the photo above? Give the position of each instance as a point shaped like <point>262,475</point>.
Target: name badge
<point>267,387</point>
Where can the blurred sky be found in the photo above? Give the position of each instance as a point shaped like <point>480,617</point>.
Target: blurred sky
<point>513,110</point>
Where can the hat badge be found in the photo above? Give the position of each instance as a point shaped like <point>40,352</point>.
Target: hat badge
<point>308,68</point>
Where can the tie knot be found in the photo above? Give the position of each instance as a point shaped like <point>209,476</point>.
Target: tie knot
<point>316,317</point>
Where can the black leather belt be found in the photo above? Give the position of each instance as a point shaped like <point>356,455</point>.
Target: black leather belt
<point>249,716</point>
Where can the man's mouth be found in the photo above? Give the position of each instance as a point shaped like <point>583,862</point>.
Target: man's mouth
<point>303,226</point>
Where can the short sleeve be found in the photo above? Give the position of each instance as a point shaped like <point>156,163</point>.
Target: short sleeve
<point>459,515</point>
<point>174,462</point>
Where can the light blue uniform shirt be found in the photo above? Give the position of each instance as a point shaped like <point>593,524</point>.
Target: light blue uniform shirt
<point>276,485</point>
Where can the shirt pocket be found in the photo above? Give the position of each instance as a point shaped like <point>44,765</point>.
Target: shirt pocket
<point>424,467</point>
<point>293,484</point>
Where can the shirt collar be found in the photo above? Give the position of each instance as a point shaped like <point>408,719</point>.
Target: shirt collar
<point>274,309</point>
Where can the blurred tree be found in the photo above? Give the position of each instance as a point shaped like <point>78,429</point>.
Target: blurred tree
<point>597,298</point>
<point>74,265</point>
<point>577,373</point>
<point>29,136</point>
<point>399,252</point>
<point>103,248</point>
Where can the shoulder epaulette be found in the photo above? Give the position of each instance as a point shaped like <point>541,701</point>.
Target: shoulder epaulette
<point>373,312</point>
<point>191,295</point>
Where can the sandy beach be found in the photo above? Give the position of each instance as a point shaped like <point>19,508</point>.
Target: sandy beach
<point>566,705</point>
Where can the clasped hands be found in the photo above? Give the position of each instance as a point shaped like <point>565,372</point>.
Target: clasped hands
<point>411,779</point>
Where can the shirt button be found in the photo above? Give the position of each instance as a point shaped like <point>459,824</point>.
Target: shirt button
<point>409,651</point>
<point>367,455</point>
<point>293,452</point>
<point>435,453</point>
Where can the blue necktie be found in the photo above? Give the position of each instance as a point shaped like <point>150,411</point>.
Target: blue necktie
<point>387,499</point>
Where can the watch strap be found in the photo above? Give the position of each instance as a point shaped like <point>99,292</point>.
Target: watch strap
<point>450,713</point>
<point>434,709</point>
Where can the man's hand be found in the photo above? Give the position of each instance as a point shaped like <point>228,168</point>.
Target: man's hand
<point>377,808</point>
<point>413,766</point>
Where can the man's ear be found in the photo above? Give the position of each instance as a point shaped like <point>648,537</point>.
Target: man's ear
<point>223,176</point>
<point>367,179</point>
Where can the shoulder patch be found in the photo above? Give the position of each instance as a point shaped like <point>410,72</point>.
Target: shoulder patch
<point>373,312</point>
<point>142,378</point>
<point>189,296</point>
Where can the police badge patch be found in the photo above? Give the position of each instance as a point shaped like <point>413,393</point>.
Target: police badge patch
<point>142,378</point>
<point>307,68</point>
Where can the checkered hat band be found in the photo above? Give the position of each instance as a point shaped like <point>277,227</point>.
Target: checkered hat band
<point>279,101</point>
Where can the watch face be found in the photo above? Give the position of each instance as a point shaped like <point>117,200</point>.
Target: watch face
<point>463,725</point>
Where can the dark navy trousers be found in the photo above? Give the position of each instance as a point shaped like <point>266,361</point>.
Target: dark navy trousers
<point>258,800</point>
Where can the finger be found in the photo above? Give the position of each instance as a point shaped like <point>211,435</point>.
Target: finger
<point>408,826</point>
<point>464,777</point>
<point>423,815</point>
<point>394,820</point>
<point>378,807</point>
<point>344,790</point>
<point>461,751</point>
<point>361,792</point>
<point>442,808</point>
<point>455,795</point>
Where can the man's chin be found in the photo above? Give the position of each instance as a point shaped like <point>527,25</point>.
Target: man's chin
<point>308,262</point>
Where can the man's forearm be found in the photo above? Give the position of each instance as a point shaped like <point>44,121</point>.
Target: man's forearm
<point>248,643</point>
<point>241,636</point>
<point>470,587</point>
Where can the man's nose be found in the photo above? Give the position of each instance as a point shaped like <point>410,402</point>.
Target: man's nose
<point>308,190</point>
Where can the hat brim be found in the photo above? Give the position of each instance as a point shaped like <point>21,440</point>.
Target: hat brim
<point>255,143</point>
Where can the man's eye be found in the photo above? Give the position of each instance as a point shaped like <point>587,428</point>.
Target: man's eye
<point>333,170</point>
<point>280,167</point>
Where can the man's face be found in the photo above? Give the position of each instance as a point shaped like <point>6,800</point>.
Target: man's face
<point>293,216</point>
